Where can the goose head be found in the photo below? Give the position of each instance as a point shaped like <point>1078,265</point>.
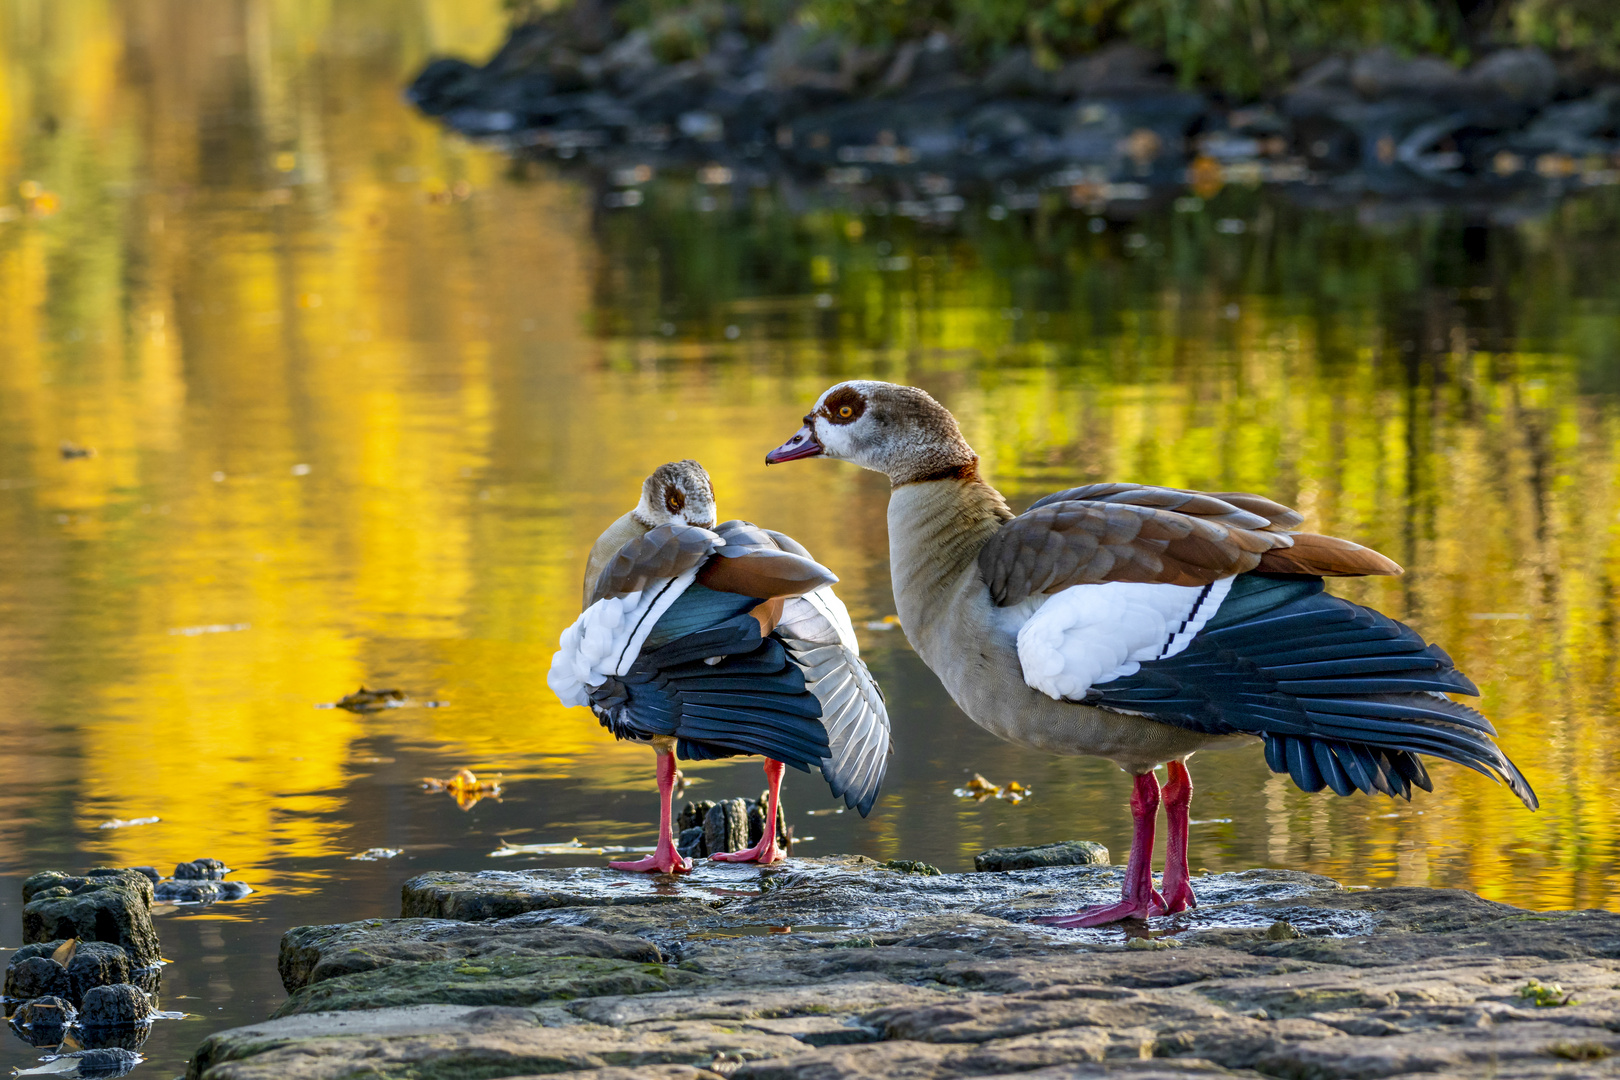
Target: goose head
<point>679,493</point>
<point>899,431</point>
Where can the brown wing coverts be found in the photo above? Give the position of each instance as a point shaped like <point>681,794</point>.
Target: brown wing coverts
<point>762,563</point>
<point>1132,532</point>
<point>752,562</point>
<point>1326,556</point>
<point>659,554</point>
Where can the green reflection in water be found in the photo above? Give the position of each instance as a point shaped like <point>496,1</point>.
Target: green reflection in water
<point>372,392</point>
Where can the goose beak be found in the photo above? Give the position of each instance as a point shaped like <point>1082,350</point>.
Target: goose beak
<point>802,445</point>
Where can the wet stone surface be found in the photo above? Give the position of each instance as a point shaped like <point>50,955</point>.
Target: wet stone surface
<point>841,967</point>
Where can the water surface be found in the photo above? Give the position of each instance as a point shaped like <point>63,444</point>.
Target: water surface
<point>361,395</point>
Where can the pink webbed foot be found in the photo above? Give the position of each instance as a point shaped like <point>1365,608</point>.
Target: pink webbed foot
<point>764,853</point>
<point>1104,914</point>
<point>664,859</point>
<point>659,862</point>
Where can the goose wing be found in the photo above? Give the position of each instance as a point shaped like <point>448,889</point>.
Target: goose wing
<point>1135,533</point>
<point>1343,696</point>
<point>819,637</point>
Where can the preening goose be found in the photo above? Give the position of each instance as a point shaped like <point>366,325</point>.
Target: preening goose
<point>1141,624</point>
<point>710,641</point>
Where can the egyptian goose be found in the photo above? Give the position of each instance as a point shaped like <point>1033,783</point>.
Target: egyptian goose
<point>709,641</point>
<point>1140,624</point>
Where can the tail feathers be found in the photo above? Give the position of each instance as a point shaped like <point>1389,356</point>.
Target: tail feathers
<point>1370,756</point>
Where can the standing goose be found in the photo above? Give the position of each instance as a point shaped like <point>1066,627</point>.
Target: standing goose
<point>709,641</point>
<point>1140,624</point>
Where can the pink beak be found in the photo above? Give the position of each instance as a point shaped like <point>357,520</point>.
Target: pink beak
<point>802,445</point>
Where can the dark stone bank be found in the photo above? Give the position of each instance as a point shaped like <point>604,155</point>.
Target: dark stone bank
<point>917,125</point>
<point>844,967</point>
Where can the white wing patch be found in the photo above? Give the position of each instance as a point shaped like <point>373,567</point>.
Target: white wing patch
<point>1092,634</point>
<point>606,639</point>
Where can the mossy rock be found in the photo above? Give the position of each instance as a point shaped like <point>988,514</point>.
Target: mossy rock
<point>499,980</point>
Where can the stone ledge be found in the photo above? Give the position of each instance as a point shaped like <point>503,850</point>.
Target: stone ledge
<point>825,969</point>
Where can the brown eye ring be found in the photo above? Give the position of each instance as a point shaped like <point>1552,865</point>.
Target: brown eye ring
<point>674,500</point>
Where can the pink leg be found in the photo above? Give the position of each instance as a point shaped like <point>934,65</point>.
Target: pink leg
<point>666,860</point>
<point>1178,892</point>
<point>766,851</point>
<point>1137,900</point>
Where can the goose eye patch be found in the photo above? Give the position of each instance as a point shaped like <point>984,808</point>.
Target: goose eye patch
<point>844,407</point>
<point>674,499</point>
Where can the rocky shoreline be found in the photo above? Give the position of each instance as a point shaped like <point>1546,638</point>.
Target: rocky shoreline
<point>845,967</point>
<point>915,128</point>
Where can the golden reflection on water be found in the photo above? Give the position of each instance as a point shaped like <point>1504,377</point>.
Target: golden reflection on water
<point>340,374</point>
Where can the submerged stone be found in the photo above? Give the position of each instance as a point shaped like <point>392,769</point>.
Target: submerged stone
<point>201,870</point>
<point>1067,853</point>
<point>118,1005</point>
<point>35,977</point>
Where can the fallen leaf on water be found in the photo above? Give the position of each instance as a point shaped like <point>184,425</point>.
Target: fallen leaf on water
<point>569,847</point>
<point>363,700</point>
<point>369,701</point>
<point>465,788</point>
<point>824,813</point>
<point>979,789</point>
<point>376,854</point>
<point>121,823</point>
<point>888,622</point>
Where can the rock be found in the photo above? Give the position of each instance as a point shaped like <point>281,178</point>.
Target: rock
<point>834,968</point>
<point>44,1013</point>
<point>118,1005</point>
<point>1525,76</point>
<point>96,963</point>
<point>1117,70</point>
<point>1331,72</point>
<point>1066,853</point>
<point>725,827</point>
<point>690,843</point>
<point>43,1022</point>
<point>1017,75</point>
<point>488,980</point>
<point>312,954</point>
<point>36,977</point>
<point>201,870</point>
<point>189,892</point>
<point>112,908</point>
<point>1381,73</point>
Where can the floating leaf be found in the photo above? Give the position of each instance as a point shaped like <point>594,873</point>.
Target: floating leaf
<point>377,854</point>
<point>363,700</point>
<point>979,789</point>
<point>465,788</point>
<point>121,823</point>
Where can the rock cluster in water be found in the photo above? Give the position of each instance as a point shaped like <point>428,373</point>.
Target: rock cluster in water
<point>841,968</point>
<point>708,828</point>
<point>90,963</point>
<point>1109,127</point>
